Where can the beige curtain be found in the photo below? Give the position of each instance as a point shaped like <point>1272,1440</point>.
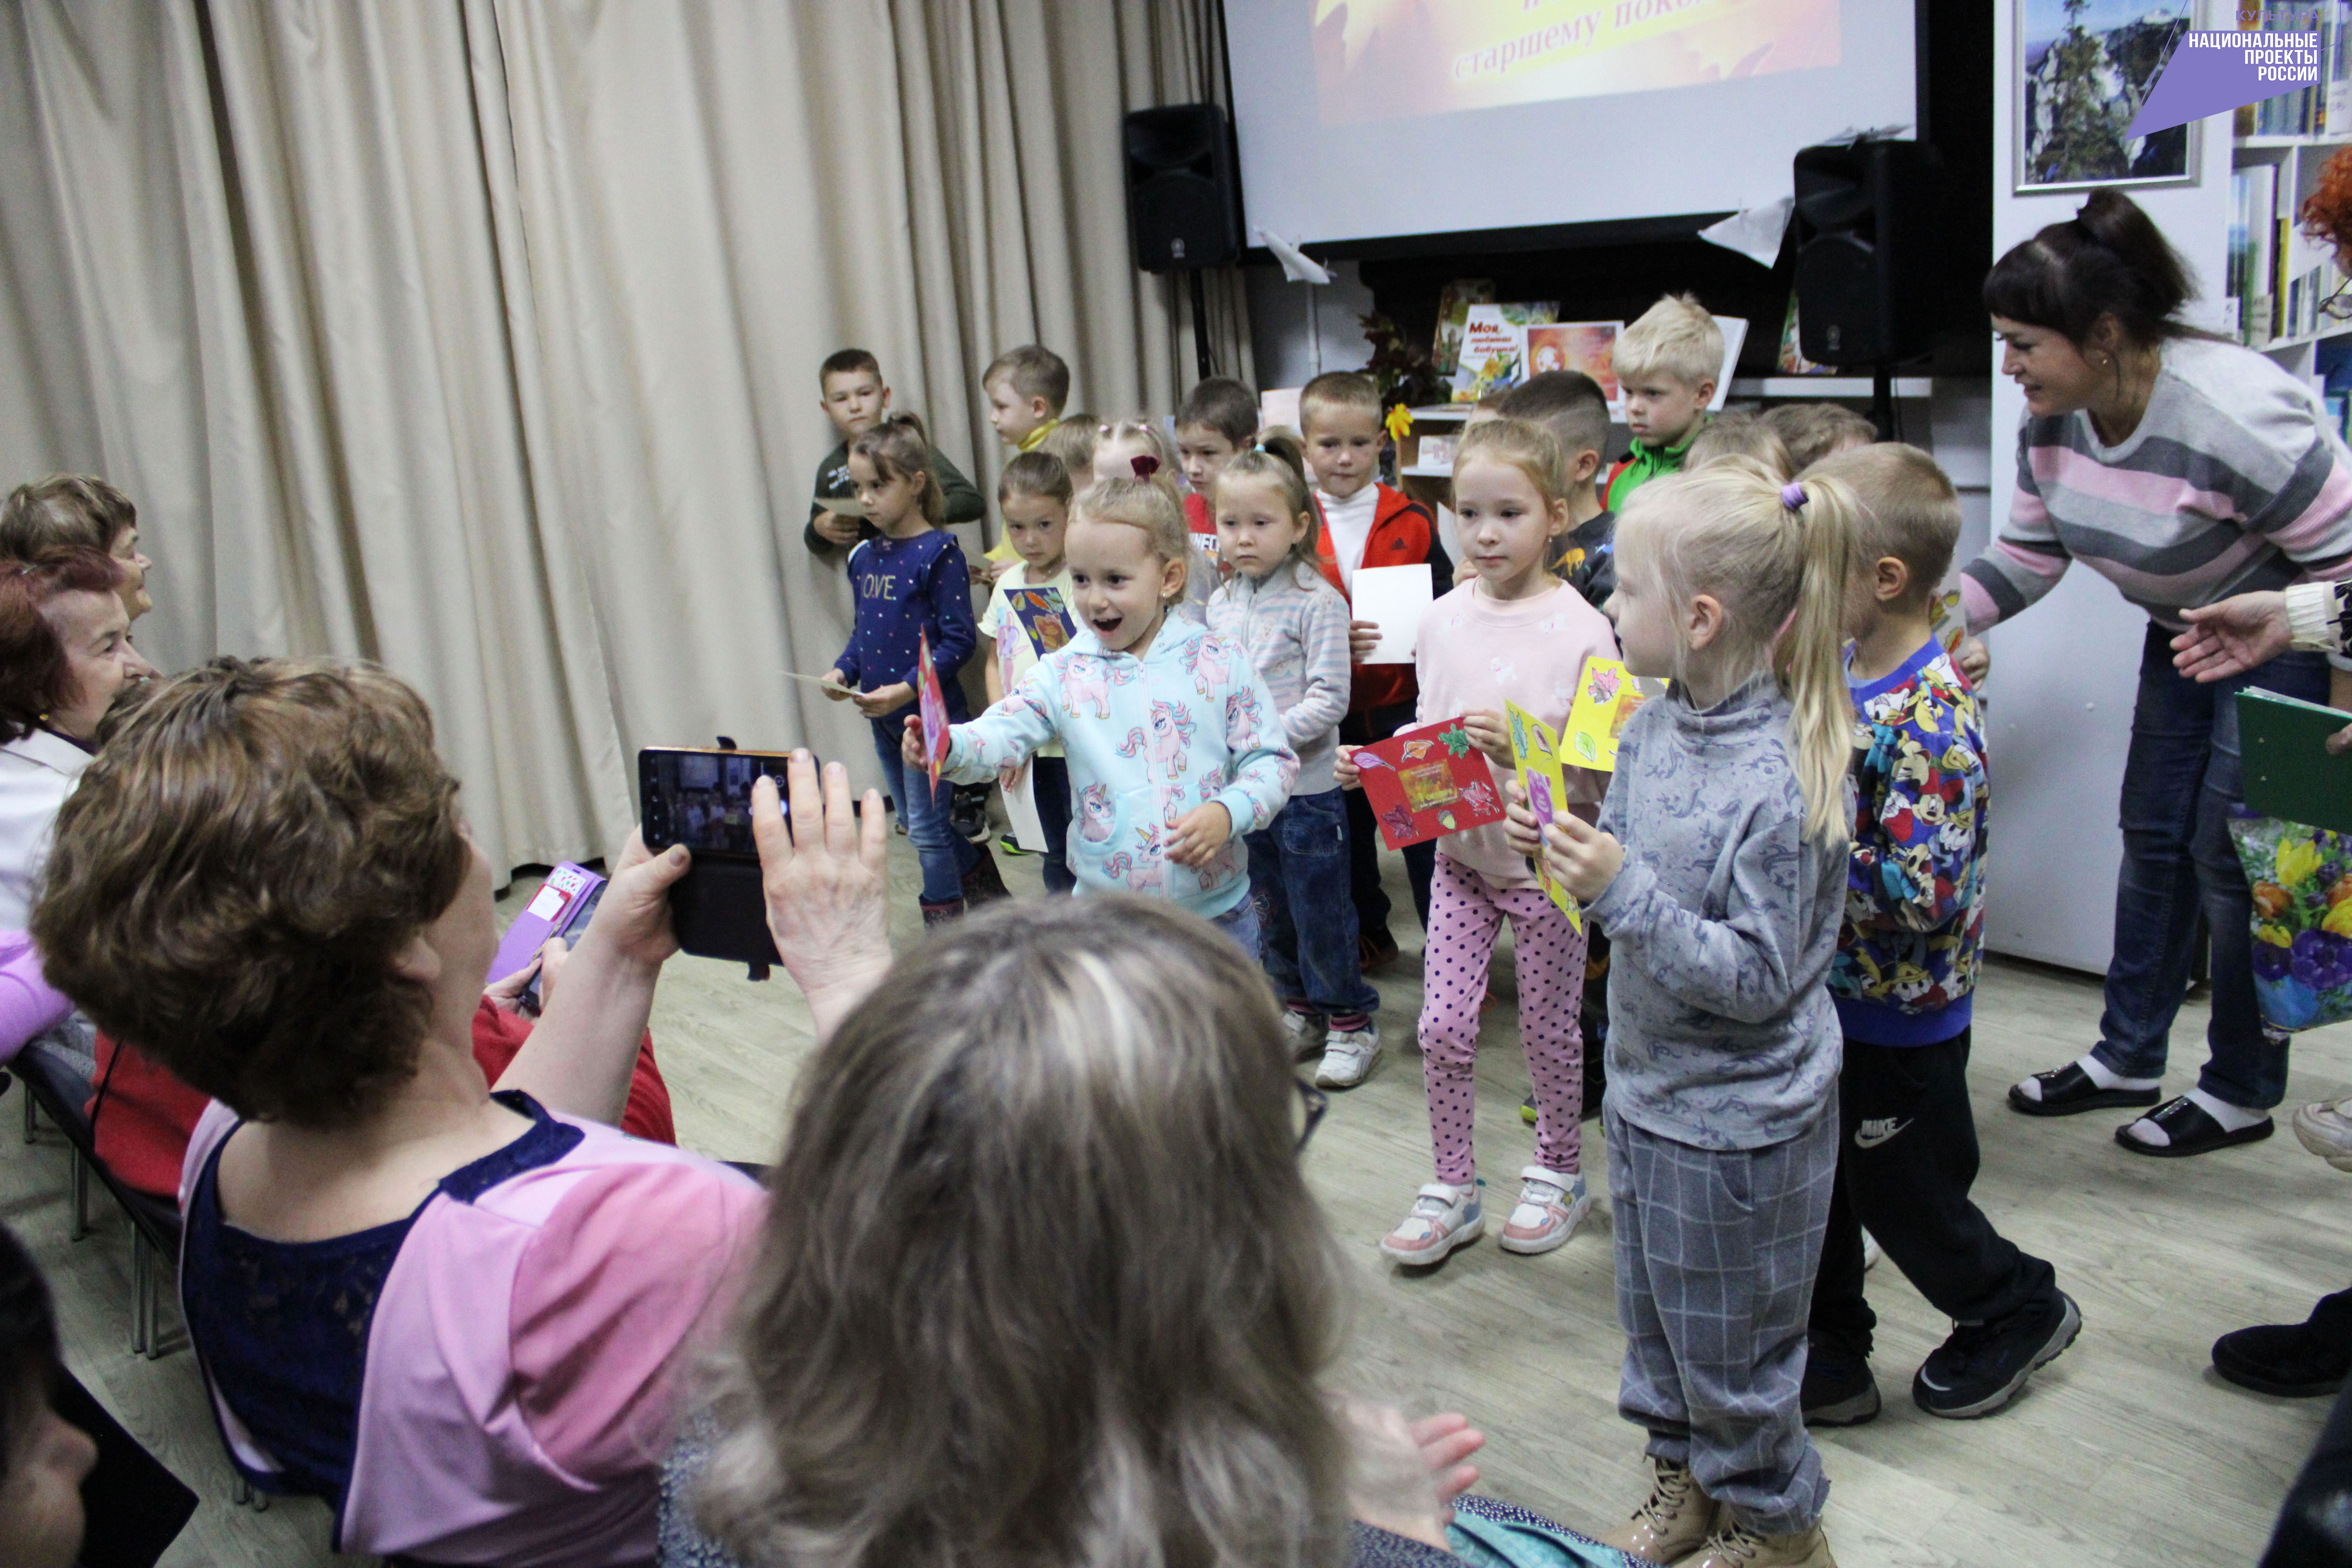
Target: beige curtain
<point>480,336</point>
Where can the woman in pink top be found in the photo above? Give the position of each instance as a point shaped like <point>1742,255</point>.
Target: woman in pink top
<point>1514,633</point>
<point>453,1313</point>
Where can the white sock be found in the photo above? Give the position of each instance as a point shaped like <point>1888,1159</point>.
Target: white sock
<point>2232,1118</point>
<point>2106,1077</point>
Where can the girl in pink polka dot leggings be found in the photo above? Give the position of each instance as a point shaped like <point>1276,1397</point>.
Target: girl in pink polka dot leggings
<point>1513,633</point>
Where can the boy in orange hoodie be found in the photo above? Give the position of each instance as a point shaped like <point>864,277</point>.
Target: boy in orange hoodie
<point>1367,523</point>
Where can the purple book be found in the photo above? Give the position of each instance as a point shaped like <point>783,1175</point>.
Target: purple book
<point>566,899</point>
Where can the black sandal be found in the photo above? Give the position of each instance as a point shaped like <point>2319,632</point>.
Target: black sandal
<point>2188,1130</point>
<point>2069,1091</point>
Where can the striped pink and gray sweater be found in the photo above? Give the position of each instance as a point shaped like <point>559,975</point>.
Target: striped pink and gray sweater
<point>2233,482</point>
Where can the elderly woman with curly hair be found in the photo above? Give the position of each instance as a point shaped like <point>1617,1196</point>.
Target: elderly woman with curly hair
<point>453,1310</point>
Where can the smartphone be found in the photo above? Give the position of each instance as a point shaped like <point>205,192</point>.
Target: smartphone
<point>702,798</point>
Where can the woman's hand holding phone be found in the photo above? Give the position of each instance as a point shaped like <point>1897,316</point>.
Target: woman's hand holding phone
<point>825,881</point>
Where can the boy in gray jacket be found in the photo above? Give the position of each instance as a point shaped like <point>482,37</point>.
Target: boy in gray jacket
<point>1277,605</point>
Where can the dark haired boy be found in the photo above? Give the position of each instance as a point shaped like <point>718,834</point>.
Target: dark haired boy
<point>1216,422</point>
<point>1902,980</point>
<point>1571,405</point>
<point>854,398</point>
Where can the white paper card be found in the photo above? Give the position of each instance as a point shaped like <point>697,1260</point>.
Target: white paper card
<point>1021,810</point>
<point>1396,598</point>
<point>549,904</point>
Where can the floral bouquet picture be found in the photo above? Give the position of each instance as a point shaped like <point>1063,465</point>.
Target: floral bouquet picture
<point>2301,883</point>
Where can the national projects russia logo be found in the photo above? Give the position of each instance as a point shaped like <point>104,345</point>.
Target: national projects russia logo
<point>2273,49</point>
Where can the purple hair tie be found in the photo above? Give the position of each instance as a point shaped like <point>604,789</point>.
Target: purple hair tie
<point>1792,496</point>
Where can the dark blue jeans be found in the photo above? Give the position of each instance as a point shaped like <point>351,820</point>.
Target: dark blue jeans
<point>2181,779</point>
<point>945,857</point>
<point>1050,789</point>
<point>1298,868</point>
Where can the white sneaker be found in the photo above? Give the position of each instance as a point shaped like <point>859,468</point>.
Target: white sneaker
<point>1348,1056</point>
<point>1871,1252</point>
<point>1303,1031</point>
<point>2325,1129</point>
<point>1551,1206</point>
<point>1442,1218</point>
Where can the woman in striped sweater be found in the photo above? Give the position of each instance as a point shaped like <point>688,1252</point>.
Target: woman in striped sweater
<point>2184,468</point>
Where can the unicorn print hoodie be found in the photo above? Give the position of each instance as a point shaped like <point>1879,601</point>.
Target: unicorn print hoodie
<point>1147,741</point>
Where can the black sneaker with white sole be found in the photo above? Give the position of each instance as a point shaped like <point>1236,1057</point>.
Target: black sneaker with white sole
<point>1839,1390</point>
<point>1983,1366</point>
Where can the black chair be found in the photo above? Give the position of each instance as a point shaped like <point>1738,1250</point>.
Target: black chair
<point>61,1093</point>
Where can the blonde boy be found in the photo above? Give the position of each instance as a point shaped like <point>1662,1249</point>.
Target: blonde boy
<point>1666,365</point>
<point>1026,388</point>
<point>1367,523</point>
<point>854,398</point>
<point>1812,431</point>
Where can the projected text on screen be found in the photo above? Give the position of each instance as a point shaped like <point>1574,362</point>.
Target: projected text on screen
<point>1385,59</point>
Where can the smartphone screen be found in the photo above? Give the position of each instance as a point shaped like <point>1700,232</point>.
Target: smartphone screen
<point>703,799</point>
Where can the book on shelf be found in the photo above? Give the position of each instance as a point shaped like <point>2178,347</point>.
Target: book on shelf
<point>2251,271</point>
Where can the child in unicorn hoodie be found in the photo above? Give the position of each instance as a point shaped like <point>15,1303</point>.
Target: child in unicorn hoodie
<point>1150,739</point>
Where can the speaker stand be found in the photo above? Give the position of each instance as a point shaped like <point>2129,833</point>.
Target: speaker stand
<point>1882,400</point>
<point>1200,325</point>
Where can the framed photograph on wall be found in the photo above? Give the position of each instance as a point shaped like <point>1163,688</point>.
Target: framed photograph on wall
<point>2082,70</point>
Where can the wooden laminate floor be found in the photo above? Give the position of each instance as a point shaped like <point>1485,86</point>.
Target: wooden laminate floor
<point>2127,1450</point>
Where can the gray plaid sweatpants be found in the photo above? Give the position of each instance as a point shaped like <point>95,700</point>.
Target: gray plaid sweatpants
<point>1717,1250</point>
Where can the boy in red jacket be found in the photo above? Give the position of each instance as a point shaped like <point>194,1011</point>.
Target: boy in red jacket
<point>1367,523</point>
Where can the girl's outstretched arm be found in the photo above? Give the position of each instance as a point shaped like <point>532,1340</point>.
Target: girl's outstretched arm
<point>1008,733</point>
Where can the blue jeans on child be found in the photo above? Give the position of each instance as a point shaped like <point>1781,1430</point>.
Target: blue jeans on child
<point>1051,789</point>
<point>2182,777</point>
<point>1240,922</point>
<point>945,857</point>
<point>1300,871</point>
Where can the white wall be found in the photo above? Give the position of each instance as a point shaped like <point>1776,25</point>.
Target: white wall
<point>2058,702</point>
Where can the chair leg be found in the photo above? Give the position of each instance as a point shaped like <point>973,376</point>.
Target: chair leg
<point>140,1266</point>
<point>156,1264</point>
<point>80,1227</point>
<point>29,1113</point>
<point>239,1492</point>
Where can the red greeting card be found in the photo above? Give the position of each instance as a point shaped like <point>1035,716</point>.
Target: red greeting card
<point>933,703</point>
<point>1428,782</point>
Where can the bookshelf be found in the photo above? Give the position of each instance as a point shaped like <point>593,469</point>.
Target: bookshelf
<point>2277,275</point>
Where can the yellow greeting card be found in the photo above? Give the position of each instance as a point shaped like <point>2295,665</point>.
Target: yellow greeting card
<point>1536,749</point>
<point>1605,699</point>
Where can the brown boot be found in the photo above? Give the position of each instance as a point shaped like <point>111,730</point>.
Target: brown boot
<point>1676,1520</point>
<point>939,914</point>
<point>1737,1546</point>
<point>981,884</point>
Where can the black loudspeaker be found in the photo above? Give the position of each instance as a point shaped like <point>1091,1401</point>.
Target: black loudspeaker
<point>1867,234</point>
<point>1183,206</point>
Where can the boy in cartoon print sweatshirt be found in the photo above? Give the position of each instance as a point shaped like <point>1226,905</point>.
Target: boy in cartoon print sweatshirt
<point>1147,740</point>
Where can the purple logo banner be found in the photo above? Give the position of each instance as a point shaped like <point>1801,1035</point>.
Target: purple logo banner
<point>2214,72</point>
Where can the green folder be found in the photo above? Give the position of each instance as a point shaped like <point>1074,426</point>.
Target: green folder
<point>2289,772</point>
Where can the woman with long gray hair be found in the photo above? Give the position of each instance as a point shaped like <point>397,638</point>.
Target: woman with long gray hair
<point>1041,1282</point>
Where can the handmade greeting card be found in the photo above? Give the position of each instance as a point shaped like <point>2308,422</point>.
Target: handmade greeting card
<point>1044,617</point>
<point>1605,699</point>
<point>1537,751</point>
<point>1427,783</point>
<point>933,703</point>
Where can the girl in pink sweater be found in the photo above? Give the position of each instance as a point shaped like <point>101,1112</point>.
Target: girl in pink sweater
<point>1513,632</point>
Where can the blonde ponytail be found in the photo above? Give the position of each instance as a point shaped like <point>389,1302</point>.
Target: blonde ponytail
<point>1810,658</point>
<point>1777,557</point>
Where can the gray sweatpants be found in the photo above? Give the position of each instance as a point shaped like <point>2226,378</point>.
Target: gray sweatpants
<point>1715,1254</point>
